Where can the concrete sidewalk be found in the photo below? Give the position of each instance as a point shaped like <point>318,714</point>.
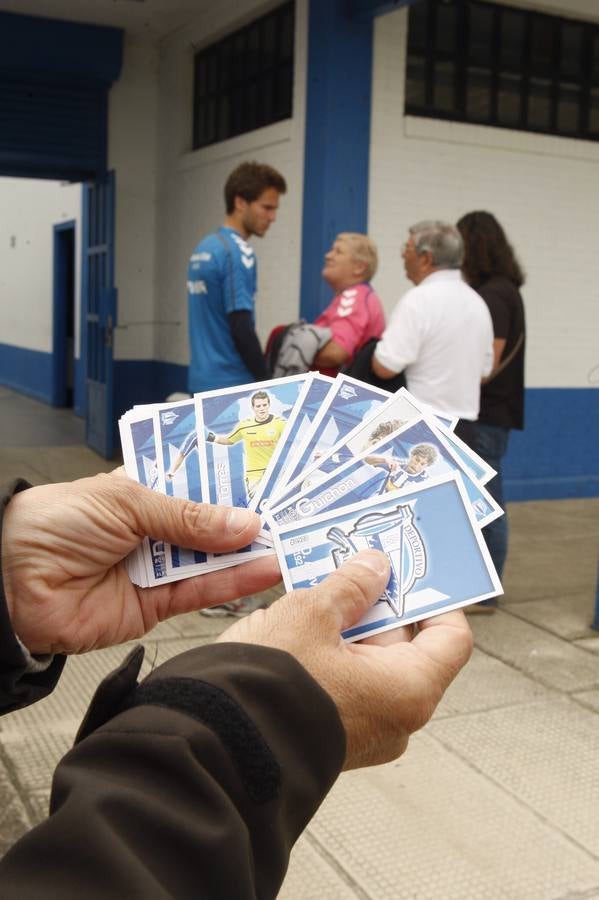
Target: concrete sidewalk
<point>498,797</point>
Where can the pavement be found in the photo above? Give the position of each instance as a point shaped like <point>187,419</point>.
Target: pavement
<point>496,798</point>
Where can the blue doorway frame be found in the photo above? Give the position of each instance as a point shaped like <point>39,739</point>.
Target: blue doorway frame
<point>99,311</point>
<point>63,314</point>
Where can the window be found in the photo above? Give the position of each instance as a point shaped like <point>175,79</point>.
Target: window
<point>471,61</point>
<point>245,81</point>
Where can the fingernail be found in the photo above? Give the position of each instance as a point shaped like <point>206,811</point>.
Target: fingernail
<point>238,519</point>
<point>372,559</point>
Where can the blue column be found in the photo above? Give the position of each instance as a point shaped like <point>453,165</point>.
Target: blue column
<point>337,139</point>
<point>337,142</point>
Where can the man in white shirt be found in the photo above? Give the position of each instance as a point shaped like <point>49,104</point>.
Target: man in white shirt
<point>440,333</point>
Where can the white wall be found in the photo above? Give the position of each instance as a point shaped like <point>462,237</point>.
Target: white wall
<point>544,190</point>
<point>132,151</point>
<point>190,184</point>
<point>30,209</point>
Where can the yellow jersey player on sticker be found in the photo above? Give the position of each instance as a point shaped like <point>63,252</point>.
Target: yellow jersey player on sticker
<point>260,435</point>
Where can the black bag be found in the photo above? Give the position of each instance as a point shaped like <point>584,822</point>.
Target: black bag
<point>361,368</point>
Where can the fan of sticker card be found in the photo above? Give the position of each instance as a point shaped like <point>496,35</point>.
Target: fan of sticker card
<point>333,466</point>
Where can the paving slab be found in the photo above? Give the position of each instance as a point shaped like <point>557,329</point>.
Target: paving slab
<point>590,644</point>
<point>552,662</point>
<point>314,875</point>
<point>543,754</point>
<point>550,568</point>
<point>14,819</point>
<point>488,683</point>
<point>431,827</point>
<point>567,616</point>
<point>589,699</point>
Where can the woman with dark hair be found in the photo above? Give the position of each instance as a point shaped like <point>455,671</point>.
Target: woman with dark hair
<point>491,268</point>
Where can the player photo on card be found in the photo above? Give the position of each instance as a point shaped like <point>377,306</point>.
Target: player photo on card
<point>238,431</point>
<point>398,410</point>
<point>308,404</point>
<point>439,560</point>
<point>346,405</point>
<point>388,460</point>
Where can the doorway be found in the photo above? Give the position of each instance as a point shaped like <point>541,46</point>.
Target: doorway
<point>64,299</point>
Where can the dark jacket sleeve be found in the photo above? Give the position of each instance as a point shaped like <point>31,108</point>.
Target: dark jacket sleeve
<point>19,686</point>
<point>194,784</point>
<point>247,343</point>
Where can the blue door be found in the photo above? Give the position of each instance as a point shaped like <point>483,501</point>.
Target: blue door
<point>99,302</point>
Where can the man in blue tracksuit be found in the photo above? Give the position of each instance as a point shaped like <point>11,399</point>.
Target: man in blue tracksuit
<point>221,284</point>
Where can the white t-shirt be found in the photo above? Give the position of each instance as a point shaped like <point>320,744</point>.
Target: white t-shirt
<point>441,333</point>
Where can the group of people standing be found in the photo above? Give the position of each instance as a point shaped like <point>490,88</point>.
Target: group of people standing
<point>458,335</point>
<point>198,780</point>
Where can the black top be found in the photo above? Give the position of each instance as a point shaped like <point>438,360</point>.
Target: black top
<point>502,399</point>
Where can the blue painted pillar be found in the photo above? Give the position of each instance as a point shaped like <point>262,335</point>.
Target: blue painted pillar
<point>337,140</point>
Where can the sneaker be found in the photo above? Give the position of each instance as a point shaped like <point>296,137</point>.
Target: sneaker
<point>237,608</point>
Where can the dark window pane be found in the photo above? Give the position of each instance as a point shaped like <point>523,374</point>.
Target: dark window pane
<point>539,104</point>
<point>571,52</point>
<point>416,81</point>
<point>542,46</point>
<point>445,31</point>
<point>480,44</point>
<point>418,26</point>
<point>254,56</point>
<point>444,87</point>
<point>286,37</point>
<point>224,115</point>
<point>509,104</point>
<point>283,91</point>
<point>594,112</point>
<point>595,61</point>
<point>478,95</point>
<point>511,53</point>
<point>568,109</point>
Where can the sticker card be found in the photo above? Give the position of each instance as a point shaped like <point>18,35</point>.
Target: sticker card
<point>411,455</point>
<point>439,560</point>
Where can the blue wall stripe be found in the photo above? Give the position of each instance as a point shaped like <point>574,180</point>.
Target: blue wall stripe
<point>555,457</point>
<point>27,371</point>
<point>337,140</point>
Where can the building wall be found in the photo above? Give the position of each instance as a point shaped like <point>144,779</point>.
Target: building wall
<point>30,209</point>
<point>545,191</point>
<point>132,153</point>
<point>190,184</point>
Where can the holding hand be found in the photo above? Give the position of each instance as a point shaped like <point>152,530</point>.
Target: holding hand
<point>386,687</point>
<point>63,550</point>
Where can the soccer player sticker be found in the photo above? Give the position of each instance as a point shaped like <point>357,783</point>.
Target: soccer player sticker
<point>238,431</point>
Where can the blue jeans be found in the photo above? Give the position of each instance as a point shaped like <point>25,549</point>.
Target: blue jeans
<point>492,445</point>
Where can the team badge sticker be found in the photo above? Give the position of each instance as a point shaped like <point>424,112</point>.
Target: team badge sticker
<point>393,533</point>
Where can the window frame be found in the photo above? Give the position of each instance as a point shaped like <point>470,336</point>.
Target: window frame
<point>553,101</point>
<point>238,85</point>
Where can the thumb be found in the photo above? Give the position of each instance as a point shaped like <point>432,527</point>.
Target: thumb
<point>200,526</point>
<point>349,593</point>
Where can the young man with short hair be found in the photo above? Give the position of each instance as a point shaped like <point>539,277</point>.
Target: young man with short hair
<point>221,286</point>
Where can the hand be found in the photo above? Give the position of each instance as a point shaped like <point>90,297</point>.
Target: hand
<point>63,547</point>
<point>385,687</point>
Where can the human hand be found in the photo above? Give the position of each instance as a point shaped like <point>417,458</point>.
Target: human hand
<point>63,550</point>
<point>385,687</point>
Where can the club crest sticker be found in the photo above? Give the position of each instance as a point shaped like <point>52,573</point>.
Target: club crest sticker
<point>396,535</point>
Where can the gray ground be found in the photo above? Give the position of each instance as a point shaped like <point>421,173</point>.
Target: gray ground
<point>498,797</point>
